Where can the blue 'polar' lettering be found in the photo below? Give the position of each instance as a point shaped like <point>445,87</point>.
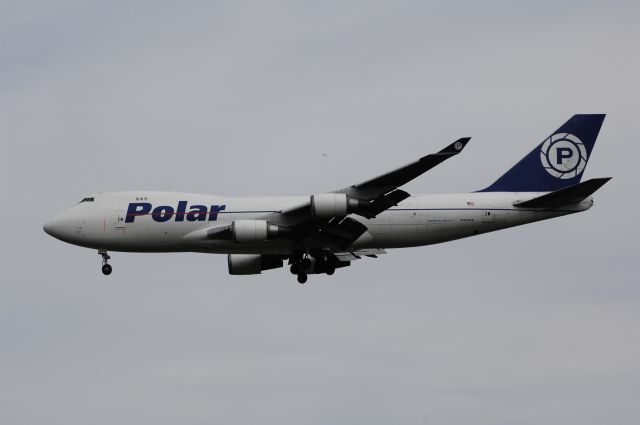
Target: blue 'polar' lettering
<point>164,213</point>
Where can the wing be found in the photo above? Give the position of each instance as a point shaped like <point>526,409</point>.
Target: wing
<point>388,182</point>
<point>369,199</point>
<point>382,192</point>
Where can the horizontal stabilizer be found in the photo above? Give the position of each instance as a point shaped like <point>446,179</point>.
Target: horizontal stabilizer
<point>567,196</point>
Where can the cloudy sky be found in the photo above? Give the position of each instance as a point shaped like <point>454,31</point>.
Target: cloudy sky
<point>538,324</point>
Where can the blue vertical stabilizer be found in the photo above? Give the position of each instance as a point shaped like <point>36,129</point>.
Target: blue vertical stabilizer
<point>558,162</point>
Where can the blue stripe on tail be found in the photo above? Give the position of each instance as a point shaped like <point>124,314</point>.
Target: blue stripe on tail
<point>558,162</point>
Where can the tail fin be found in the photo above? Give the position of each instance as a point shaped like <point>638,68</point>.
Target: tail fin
<point>556,163</point>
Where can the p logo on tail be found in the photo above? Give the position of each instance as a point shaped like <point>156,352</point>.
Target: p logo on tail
<point>563,156</point>
<point>556,163</point>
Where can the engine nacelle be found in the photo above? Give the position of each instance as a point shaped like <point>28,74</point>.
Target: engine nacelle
<point>253,230</point>
<point>240,264</point>
<point>333,204</point>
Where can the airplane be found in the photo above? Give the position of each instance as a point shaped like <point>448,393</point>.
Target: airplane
<point>320,233</point>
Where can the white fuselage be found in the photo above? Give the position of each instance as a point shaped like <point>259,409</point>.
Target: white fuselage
<point>419,220</point>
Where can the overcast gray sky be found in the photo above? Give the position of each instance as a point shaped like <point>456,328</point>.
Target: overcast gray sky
<point>538,324</point>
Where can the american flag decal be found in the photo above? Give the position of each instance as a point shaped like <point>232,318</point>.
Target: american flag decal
<point>470,204</point>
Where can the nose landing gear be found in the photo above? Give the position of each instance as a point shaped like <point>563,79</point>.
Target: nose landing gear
<point>106,267</point>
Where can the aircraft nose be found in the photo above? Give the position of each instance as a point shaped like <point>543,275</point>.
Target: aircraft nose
<point>53,227</point>
<point>62,226</point>
<point>48,227</point>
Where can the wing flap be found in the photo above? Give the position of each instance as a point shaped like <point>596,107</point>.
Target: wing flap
<point>384,202</point>
<point>356,255</point>
<point>339,232</point>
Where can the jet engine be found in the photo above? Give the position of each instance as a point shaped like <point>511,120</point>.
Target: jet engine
<point>333,204</point>
<point>252,263</point>
<point>253,230</point>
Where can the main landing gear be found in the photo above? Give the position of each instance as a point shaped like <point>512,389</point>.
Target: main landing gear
<point>106,267</point>
<point>303,264</point>
<point>299,263</point>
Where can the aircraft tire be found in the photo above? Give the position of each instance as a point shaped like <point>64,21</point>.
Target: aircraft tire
<point>107,269</point>
<point>302,278</point>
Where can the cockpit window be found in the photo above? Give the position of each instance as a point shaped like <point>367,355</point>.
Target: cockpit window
<point>86,200</point>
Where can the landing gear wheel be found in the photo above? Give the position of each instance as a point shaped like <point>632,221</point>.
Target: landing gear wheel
<point>106,268</point>
<point>330,270</point>
<point>295,268</point>
<point>306,263</point>
<point>302,278</point>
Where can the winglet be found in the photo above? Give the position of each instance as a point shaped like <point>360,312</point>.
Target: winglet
<point>454,148</point>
